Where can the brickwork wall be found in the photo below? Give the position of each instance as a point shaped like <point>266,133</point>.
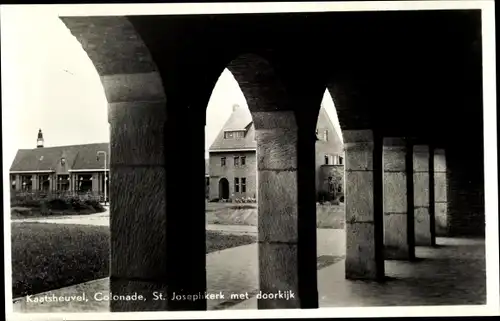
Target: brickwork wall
<point>466,212</point>
<point>249,171</point>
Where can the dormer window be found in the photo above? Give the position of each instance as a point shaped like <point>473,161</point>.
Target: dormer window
<point>234,134</point>
<point>63,161</point>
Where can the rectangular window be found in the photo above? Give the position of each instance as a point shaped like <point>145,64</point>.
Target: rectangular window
<point>327,160</point>
<point>243,160</point>
<point>236,161</point>
<point>13,181</point>
<point>236,185</point>
<point>26,183</point>
<point>341,160</point>
<point>43,183</point>
<point>84,183</point>
<point>243,185</point>
<point>222,161</point>
<point>62,182</point>
<point>234,134</point>
<point>326,135</point>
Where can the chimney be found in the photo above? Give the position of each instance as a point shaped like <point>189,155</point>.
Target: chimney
<point>39,141</point>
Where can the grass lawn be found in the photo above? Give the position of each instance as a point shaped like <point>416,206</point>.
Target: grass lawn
<point>327,216</point>
<point>51,256</point>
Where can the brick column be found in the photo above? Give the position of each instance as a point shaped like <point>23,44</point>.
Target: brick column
<point>18,182</point>
<point>154,247</point>
<point>286,207</point>
<point>52,178</point>
<point>363,206</point>
<point>34,182</point>
<point>95,183</point>
<point>421,189</point>
<point>398,217</point>
<point>440,192</point>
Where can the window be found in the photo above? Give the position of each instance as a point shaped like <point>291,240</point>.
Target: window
<point>63,161</point>
<point>222,161</point>
<point>243,185</point>
<point>26,182</point>
<point>243,160</point>
<point>236,160</point>
<point>13,181</point>
<point>234,134</point>
<point>327,160</point>
<point>330,185</point>
<point>236,185</point>
<point>341,160</point>
<point>85,182</point>
<point>325,135</point>
<point>62,182</point>
<point>43,183</point>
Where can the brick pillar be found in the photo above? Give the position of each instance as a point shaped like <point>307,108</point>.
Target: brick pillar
<point>34,182</point>
<point>95,183</point>
<point>52,182</point>
<point>399,238</point>
<point>421,189</point>
<point>287,210</point>
<point>440,192</point>
<point>18,182</point>
<point>363,206</point>
<point>154,247</point>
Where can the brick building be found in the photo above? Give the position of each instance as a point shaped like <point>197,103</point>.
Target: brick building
<point>233,166</point>
<point>74,168</point>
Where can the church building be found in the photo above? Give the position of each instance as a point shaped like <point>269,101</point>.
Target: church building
<point>233,163</point>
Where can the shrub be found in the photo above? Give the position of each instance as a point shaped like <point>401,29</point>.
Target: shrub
<point>58,204</point>
<point>46,204</point>
<point>94,204</point>
<point>241,207</point>
<point>323,196</point>
<point>245,200</point>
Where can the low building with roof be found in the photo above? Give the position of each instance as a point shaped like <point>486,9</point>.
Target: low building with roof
<point>80,168</point>
<point>233,163</point>
<point>74,168</point>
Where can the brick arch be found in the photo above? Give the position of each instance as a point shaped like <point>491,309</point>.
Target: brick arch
<point>259,83</point>
<point>122,60</point>
<point>351,111</point>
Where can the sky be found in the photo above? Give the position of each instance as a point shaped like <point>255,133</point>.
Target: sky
<point>49,83</point>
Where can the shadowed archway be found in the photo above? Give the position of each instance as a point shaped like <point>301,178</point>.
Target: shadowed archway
<point>223,189</point>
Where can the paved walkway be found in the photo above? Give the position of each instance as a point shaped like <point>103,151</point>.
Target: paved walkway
<point>451,274</point>
<point>233,270</point>
<point>454,273</point>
